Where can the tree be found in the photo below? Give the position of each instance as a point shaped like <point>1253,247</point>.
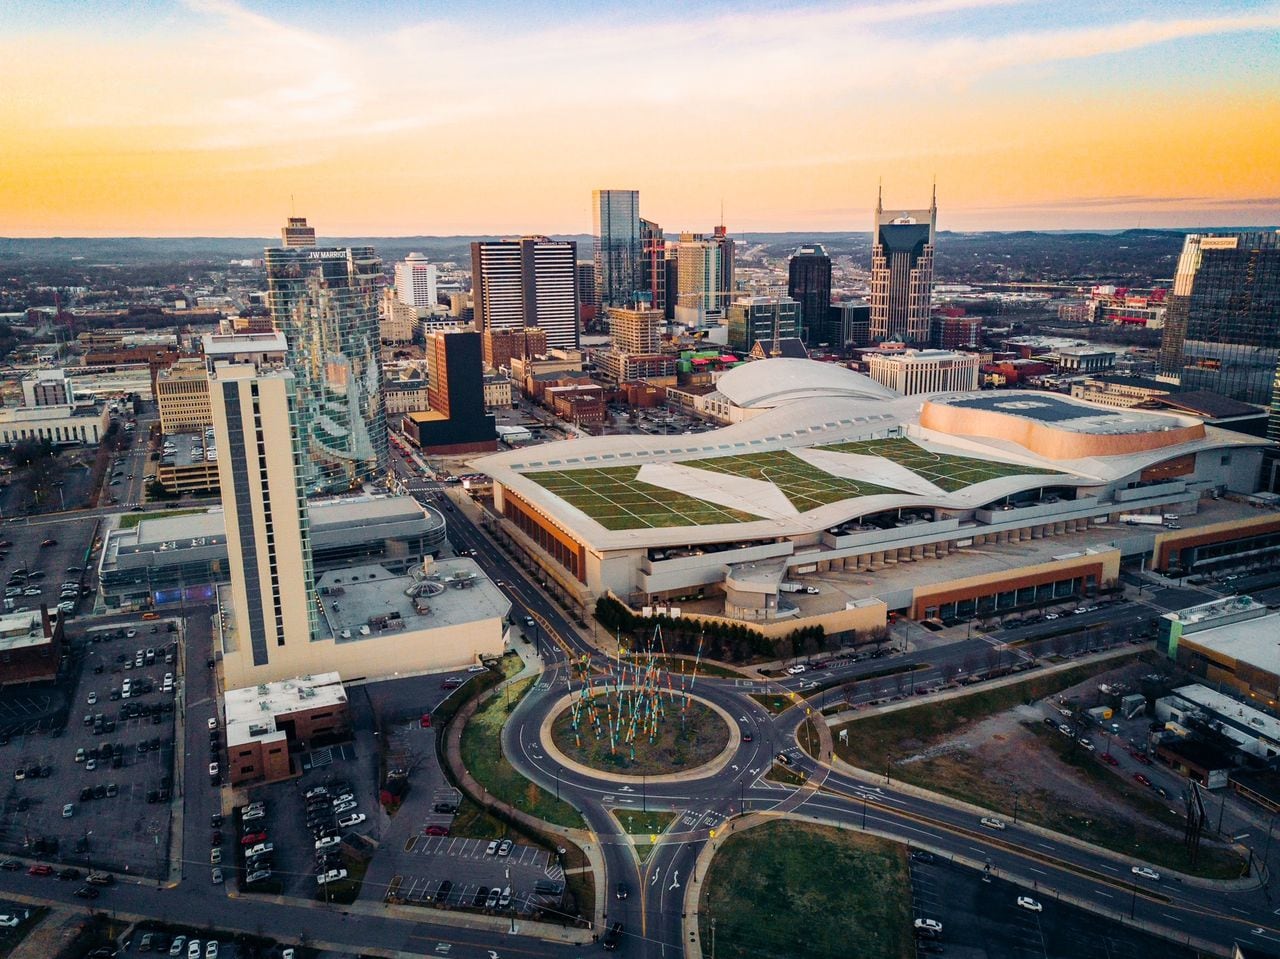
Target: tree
<point>29,452</point>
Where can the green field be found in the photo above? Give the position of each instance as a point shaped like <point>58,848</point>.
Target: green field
<point>947,472</point>
<point>806,486</point>
<point>130,520</point>
<point>615,499</point>
<point>787,889</point>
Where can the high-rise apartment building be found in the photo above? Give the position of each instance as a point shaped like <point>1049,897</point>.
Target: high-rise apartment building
<point>704,271</point>
<point>616,219</point>
<point>296,233</point>
<point>809,284</point>
<point>653,266</point>
<point>762,319</point>
<point>1222,325</point>
<point>636,329</point>
<point>416,282</point>
<point>902,272</point>
<point>257,429</point>
<point>532,281</point>
<point>325,302</point>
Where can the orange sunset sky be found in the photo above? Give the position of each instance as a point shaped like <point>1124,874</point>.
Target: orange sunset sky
<point>205,117</point>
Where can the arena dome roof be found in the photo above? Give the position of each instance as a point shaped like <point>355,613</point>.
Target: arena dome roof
<point>765,384</point>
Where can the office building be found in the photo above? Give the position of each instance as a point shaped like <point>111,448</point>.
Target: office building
<point>269,723</point>
<point>925,371</point>
<point>182,397</point>
<point>416,282</point>
<point>457,421</point>
<point>809,284</point>
<point>47,388</point>
<point>1229,642</point>
<point>763,319</point>
<point>1221,331</point>
<point>325,303</point>
<point>853,320</point>
<point>499,346</point>
<point>587,288</point>
<point>636,329</point>
<point>955,332</point>
<point>902,273</point>
<point>616,221</point>
<point>60,425</point>
<point>296,233</point>
<point>532,281</point>
<point>32,646</point>
<point>653,266</point>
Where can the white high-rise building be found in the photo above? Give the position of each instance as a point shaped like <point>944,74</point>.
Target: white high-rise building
<point>416,282</point>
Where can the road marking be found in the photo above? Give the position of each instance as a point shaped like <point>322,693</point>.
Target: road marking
<point>1040,871</point>
<point>1104,894</point>
<point>1105,866</point>
<point>1043,845</point>
<point>675,881</point>
<point>1168,916</point>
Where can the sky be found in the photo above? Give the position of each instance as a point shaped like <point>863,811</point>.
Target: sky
<point>406,117</point>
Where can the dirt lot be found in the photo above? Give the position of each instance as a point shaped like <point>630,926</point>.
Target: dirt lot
<point>1012,759</point>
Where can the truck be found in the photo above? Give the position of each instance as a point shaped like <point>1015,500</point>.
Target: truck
<point>797,588</point>
<point>1142,519</point>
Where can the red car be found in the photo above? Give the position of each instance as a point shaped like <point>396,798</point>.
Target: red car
<point>425,721</point>
<point>1109,759</point>
<point>40,869</point>
<point>253,838</point>
<point>1141,757</point>
<point>436,831</point>
<point>1138,777</point>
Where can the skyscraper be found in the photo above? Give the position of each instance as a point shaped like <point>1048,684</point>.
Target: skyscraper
<point>902,272</point>
<point>325,302</point>
<point>256,426</point>
<point>295,232</point>
<point>809,284</point>
<point>616,216</point>
<point>416,282</point>
<point>653,266</point>
<point>636,329</point>
<point>532,281</point>
<point>1222,327</point>
<point>762,319</point>
<point>704,267</point>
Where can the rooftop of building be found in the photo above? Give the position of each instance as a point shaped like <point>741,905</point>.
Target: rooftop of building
<point>922,356</point>
<point>1084,351</point>
<point>21,631</point>
<point>365,602</point>
<point>229,344</point>
<point>1210,405</point>
<point>1064,413</point>
<point>824,444</point>
<point>188,450</point>
<point>251,711</point>
<point>1255,642</point>
<point>1229,708</point>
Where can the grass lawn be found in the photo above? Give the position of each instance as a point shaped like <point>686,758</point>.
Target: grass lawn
<point>615,499</point>
<point>684,665</point>
<point>806,486</point>
<point>683,741</point>
<point>789,889</point>
<point>474,822</point>
<point>130,520</point>
<point>785,775</point>
<point>943,470</point>
<point>878,740</point>
<point>639,823</point>
<point>482,755</point>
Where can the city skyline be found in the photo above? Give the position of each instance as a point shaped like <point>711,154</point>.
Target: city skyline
<point>232,115</point>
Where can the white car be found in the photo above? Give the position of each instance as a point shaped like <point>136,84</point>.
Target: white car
<point>130,633</point>
<point>797,669</point>
<point>193,949</point>
<point>213,769</point>
<point>355,819</point>
<point>93,699</point>
<point>1026,902</point>
<point>992,823</point>
<point>333,875</point>
<point>344,807</point>
<point>215,856</point>
<point>477,668</point>
<point>213,722</point>
<point>211,949</point>
<point>1052,616</point>
<point>931,925</point>
<point>1145,872</point>
<point>327,842</point>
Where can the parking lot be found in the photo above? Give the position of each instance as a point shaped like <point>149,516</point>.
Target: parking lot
<point>982,920</point>
<point>524,878</point>
<point>103,789</point>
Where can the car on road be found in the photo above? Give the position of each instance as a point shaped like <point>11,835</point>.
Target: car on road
<point>919,855</point>
<point>621,891</point>
<point>1026,902</point>
<point>783,758</point>
<point>613,938</point>
<point>1142,780</point>
<point>1052,616</point>
<point>86,892</point>
<point>797,669</point>
<point>1145,872</point>
<point>1085,743</point>
<point>40,869</point>
<point>991,822</point>
<point>453,682</point>
<point>1141,758</point>
<point>1109,759</point>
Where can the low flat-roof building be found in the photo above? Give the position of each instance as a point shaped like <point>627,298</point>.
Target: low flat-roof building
<point>187,464</point>
<point>1193,707</point>
<point>61,425</point>
<point>268,722</point>
<point>375,624</point>
<point>31,647</point>
<point>173,559</point>
<point>1232,641</point>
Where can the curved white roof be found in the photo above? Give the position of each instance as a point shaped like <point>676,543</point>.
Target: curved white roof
<point>765,384</point>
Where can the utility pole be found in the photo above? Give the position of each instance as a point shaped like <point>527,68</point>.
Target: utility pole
<point>713,937</point>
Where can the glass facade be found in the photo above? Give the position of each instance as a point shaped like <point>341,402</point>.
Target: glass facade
<point>1221,331</point>
<point>809,284</point>
<point>618,246</point>
<point>325,303</point>
<point>762,319</point>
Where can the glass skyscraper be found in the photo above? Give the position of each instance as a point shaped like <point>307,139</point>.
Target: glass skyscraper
<point>619,246</point>
<point>809,283</point>
<point>325,301</point>
<point>902,273</point>
<point>1222,328</point>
